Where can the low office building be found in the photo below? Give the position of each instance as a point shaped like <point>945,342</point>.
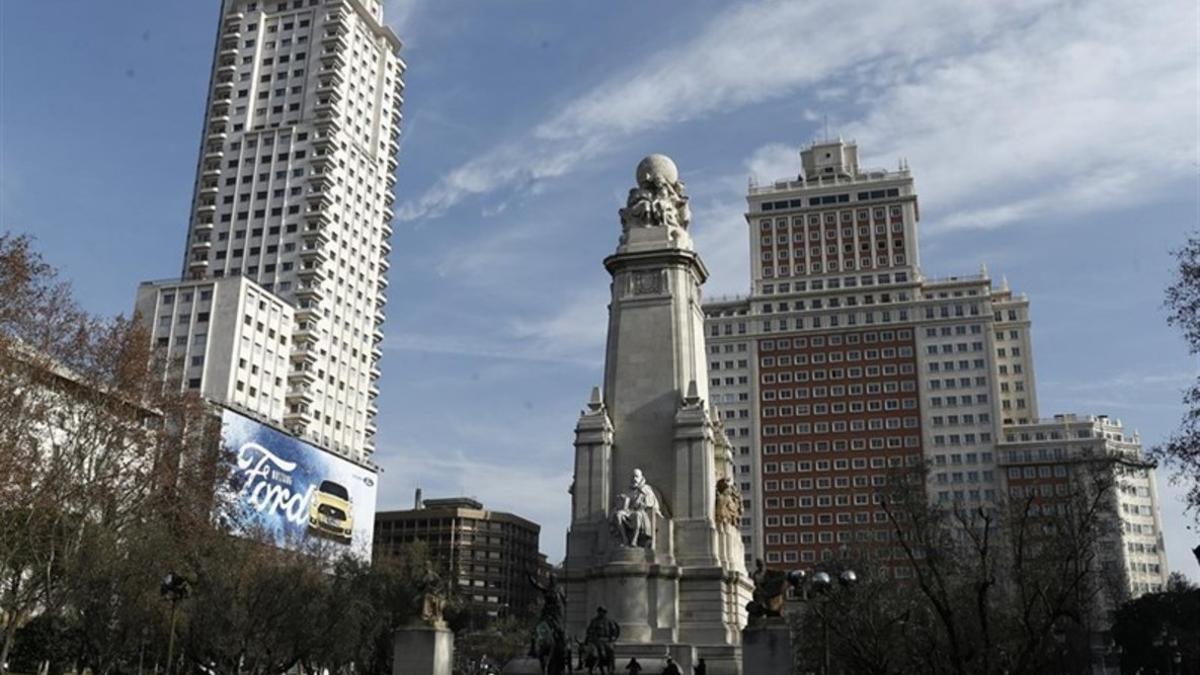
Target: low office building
<point>488,555</point>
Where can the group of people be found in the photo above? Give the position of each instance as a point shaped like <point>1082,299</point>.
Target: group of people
<point>672,668</point>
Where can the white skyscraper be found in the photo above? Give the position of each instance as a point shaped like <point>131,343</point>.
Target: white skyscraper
<point>288,238</point>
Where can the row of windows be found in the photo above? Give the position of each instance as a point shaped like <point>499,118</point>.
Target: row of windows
<point>836,320</point>
<point>948,331</point>
<point>818,358</point>
<point>831,250</point>
<point>842,445</point>
<point>842,426</point>
<point>955,420</point>
<point>831,266</point>
<point>855,373</point>
<point>952,401</point>
<point>833,303</point>
<point>840,390</point>
<point>960,458</point>
<point>830,217</point>
<point>962,382</point>
<point>875,405</point>
<point>810,519</point>
<point>835,340</point>
<point>831,234</point>
<point>965,476</point>
<point>800,286</point>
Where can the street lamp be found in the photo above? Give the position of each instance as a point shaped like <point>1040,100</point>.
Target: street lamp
<point>822,584</point>
<point>173,589</point>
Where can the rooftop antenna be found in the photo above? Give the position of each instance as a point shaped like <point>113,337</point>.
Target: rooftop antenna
<point>826,127</point>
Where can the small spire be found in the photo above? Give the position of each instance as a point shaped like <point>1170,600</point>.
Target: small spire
<point>1004,282</point>
<point>983,269</point>
<point>693,392</point>
<point>595,402</point>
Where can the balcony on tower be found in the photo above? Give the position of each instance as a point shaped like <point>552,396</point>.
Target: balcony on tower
<point>309,309</point>
<point>231,39</point>
<point>318,218</point>
<point>313,254</point>
<point>318,199</point>
<point>300,397</point>
<point>304,352</point>
<point>315,237</point>
<point>298,416</point>
<point>327,106</point>
<point>223,89</point>
<point>302,377</point>
<point>333,60</point>
<point>336,22</point>
<point>198,264</point>
<point>334,40</point>
<point>305,330</point>
<point>310,291</point>
<point>311,273</point>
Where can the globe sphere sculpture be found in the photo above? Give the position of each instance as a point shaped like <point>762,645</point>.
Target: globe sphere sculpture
<point>657,166</point>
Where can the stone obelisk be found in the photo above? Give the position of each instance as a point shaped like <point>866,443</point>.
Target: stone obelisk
<point>652,538</point>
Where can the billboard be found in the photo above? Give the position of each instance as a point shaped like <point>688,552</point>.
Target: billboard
<point>295,493</point>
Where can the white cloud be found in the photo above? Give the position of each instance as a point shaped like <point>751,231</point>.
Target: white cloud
<point>1008,109</point>
<point>1068,114</point>
<point>742,56</point>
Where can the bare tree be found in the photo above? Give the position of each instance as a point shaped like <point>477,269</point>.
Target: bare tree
<point>1182,451</point>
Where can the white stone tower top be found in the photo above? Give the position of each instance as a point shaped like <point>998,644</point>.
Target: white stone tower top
<point>656,213</point>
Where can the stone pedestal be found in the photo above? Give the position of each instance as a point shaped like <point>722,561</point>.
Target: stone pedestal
<point>767,648</point>
<point>423,650</point>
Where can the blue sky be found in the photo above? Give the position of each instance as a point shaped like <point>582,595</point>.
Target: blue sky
<point>1053,140</point>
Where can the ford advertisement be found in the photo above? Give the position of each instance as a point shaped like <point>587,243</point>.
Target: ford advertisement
<point>296,493</point>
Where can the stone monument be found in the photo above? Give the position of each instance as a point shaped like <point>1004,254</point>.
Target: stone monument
<point>654,528</point>
<point>426,645</point>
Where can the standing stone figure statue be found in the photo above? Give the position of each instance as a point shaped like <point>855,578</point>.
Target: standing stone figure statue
<point>433,597</point>
<point>633,518</point>
<point>769,589</point>
<point>602,632</point>
<point>549,644</point>
<point>729,504</point>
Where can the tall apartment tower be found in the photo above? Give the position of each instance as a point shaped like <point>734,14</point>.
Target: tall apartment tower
<point>846,361</point>
<point>288,238</point>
